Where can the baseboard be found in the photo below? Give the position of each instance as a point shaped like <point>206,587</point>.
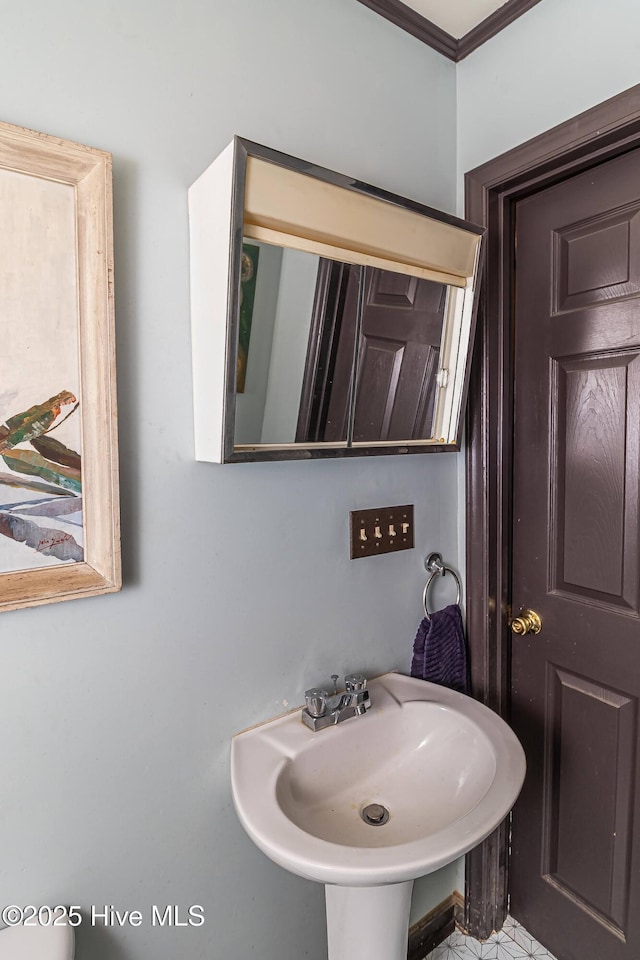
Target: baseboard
<point>435,926</point>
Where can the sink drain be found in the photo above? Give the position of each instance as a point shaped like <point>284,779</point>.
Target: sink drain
<point>374,814</point>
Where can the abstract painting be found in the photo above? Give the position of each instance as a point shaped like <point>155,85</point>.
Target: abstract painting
<point>41,486</point>
<point>59,525</point>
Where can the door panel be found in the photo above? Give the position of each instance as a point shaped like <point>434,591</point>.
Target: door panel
<point>591,424</point>
<point>597,260</point>
<point>588,857</point>
<point>575,687</point>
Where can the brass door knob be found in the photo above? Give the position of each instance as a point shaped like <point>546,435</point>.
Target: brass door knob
<point>527,622</point>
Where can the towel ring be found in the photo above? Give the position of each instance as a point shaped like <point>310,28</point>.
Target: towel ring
<point>437,568</point>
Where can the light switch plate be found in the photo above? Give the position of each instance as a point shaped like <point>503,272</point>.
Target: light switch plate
<point>382,530</point>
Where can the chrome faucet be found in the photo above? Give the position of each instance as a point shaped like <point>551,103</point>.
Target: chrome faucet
<point>322,711</point>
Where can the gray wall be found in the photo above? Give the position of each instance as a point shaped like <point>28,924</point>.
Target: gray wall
<point>117,712</point>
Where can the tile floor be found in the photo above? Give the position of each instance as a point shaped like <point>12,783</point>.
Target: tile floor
<point>512,943</point>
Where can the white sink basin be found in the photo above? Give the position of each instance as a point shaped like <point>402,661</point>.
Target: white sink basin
<point>447,769</point>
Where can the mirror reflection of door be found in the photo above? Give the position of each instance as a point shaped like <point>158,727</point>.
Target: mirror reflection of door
<point>399,349</point>
<point>398,354</point>
<point>301,349</point>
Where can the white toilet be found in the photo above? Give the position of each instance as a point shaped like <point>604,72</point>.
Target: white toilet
<point>36,943</point>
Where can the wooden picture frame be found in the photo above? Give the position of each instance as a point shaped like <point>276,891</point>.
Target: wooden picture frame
<point>59,501</point>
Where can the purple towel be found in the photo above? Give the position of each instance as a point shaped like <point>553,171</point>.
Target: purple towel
<point>439,650</point>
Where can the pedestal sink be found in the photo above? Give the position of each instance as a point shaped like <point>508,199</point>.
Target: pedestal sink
<point>445,769</point>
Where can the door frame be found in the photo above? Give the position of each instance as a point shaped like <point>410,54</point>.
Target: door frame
<point>491,190</point>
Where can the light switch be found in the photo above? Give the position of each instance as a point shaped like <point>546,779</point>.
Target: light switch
<point>381,530</point>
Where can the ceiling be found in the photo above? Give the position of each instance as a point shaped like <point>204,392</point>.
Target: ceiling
<point>457,17</point>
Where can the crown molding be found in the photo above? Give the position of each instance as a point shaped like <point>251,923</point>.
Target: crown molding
<point>493,24</point>
<point>418,26</point>
<point>434,36</point>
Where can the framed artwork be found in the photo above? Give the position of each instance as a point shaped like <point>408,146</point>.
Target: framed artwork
<point>59,505</point>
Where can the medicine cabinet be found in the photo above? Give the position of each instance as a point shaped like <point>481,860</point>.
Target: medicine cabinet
<point>329,318</point>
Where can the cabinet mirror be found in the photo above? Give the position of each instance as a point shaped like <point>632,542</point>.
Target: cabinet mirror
<point>329,318</point>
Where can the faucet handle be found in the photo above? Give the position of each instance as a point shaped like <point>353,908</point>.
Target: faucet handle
<point>316,701</point>
<point>355,682</point>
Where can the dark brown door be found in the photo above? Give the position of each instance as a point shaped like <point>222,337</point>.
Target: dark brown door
<point>575,872</point>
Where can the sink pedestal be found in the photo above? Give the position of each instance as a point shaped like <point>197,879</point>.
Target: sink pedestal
<point>368,922</point>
